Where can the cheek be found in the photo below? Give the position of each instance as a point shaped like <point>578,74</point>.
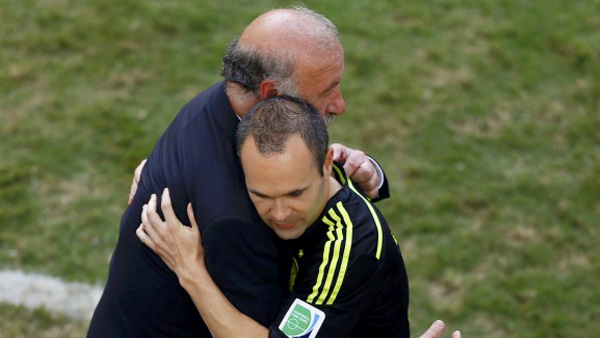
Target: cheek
<point>309,207</point>
<point>298,206</point>
<point>322,106</point>
<point>318,102</point>
<point>261,206</point>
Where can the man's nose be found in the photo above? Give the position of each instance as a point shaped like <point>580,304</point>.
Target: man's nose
<point>280,211</point>
<point>337,106</point>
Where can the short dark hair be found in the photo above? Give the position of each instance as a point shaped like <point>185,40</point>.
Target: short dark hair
<point>271,122</point>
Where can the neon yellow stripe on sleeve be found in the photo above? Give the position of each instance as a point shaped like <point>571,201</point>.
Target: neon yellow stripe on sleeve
<point>325,261</point>
<point>375,218</point>
<point>334,261</point>
<point>346,256</point>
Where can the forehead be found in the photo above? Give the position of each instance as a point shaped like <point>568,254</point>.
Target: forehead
<point>320,66</point>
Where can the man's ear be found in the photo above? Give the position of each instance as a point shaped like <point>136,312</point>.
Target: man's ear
<point>328,163</point>
<point>267,89</point>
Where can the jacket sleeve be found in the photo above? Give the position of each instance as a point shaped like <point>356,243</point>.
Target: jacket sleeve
<point>384,190</point>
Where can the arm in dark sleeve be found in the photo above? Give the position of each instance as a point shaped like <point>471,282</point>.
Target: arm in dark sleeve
<point>244,260</point>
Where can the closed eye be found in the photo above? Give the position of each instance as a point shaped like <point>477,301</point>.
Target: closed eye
<point>330,89</point>
<point>259,195</point>
<point>296,193</point>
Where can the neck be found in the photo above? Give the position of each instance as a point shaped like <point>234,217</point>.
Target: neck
<point>333,186</point>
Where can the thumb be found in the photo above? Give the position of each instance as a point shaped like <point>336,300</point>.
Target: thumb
<point>339,155</point>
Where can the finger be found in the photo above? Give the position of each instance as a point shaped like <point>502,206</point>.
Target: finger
<point>194,228</point>
<point>191,216</point>
<point>145,215</point>
<point>365,174</point>
<point>372,193</point>
<point>339,155</point>
<point>456,334</point>
<point>370,186</point>
<point>137,173</point>
<point>147,225</point>
<point>153,216</point>
<point>167,208</point>
<point>154,224</point>
<point>132,191</point>
<point>354,161</point>
<point>435,330</point>
<point>141,234</point>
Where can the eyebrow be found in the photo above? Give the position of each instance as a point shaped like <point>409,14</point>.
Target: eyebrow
<point>260,194</point>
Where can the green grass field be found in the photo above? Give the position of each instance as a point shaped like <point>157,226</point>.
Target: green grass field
<point>485,115</point>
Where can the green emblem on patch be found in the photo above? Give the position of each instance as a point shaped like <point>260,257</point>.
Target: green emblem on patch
<point>302,320</point>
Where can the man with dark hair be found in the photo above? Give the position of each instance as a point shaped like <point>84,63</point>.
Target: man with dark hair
<point>284,51</point>
<point>271,122</point>
<point>348,277</point>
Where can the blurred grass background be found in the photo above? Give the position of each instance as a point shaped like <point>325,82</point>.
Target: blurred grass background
<point>485,115</point>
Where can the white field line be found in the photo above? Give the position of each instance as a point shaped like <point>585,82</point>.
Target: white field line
<point>75,300</point>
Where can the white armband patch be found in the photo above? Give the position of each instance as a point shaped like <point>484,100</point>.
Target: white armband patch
<point>302,320</point>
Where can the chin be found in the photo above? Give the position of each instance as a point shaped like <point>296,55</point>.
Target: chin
<point>287,235</point>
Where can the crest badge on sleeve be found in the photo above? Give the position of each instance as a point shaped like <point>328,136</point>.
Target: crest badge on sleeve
<point>302,320</point>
